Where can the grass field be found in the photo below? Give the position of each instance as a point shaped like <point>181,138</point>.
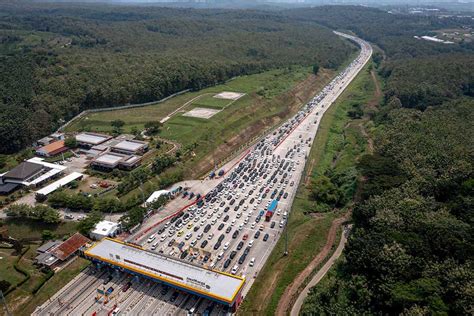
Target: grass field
<point>21,228</point>
<point>7,272</point>
<point>272,82</point>
<point>338,144</point>
<point>208,101</point>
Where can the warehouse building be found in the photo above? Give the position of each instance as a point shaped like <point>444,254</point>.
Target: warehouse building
<point>130,147</point>
<point>31,173</point>
<point>54,253</point>
<point>50,139</point>
<point>89,140</point>
<point>210,284</point>
<point>109,161</point>
<point>60,183</point>
<point>52,149</point>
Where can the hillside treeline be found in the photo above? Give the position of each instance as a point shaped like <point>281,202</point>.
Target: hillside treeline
<point>57,60</point>
<point>393,33</point>
<point>411,248</point>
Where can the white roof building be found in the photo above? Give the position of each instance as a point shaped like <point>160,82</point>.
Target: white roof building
<point>60,183</point>
<point>155,195</point>
<point>105,229</point>
<point>91,139</point>
<point>130,147</point>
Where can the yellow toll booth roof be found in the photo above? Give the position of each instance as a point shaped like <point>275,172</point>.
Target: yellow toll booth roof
<point>213,284</point>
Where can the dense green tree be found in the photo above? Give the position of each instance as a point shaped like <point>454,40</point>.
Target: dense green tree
<point>47,235</point>
<point>161,163</point>
<point>88,223</point>
<point>323,190</point>
<point>4,286</point>
<point>153,127</point>
<point>70,142</point>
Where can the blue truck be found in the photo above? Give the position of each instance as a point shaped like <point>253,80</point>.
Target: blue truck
<point>271,209</point>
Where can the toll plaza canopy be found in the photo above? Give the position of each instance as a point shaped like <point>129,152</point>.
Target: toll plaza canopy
<point>215,285</point>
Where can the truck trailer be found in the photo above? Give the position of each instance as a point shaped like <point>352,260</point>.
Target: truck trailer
<point>271,209</point>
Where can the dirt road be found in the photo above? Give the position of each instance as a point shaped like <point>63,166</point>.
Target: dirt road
<point>291,292</point>
<point>321,273</point>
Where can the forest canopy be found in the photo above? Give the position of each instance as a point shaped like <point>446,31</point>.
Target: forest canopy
<point>58,60</point>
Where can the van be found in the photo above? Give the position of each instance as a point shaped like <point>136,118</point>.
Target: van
<point>285,215</point>
<point>180,233</point>
<point>251,243</point>
<point>199,236</point>
<point>233,222</point>
<point>282,223</point>
<point>241,226</point>
<point>234,269</point>
<point>167,224</point>
<point>210,236</point>
<point>226,246</point>
<point>163,237</point>
<point>261,228</point>
<point>153,247</point>
<point>220,255</point>
<point>152,237</point>
<point>213,221</point>
<point>252,262</point>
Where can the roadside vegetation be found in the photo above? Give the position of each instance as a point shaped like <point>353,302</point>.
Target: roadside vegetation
<point>338,145</point>
<point>410,249</point>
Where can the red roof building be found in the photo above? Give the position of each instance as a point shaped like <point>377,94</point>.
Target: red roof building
<point>52,149</point>
<point>70,246</point>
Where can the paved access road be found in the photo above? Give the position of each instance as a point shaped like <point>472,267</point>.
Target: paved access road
<point>229,232</point>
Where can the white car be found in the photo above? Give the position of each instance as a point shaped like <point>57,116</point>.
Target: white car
<point>252,262</point>
<point>188,236</point>
<point>151,238</point>
<point>234,269</point>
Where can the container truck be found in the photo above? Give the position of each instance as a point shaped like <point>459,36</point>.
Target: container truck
<point>271,209</point>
